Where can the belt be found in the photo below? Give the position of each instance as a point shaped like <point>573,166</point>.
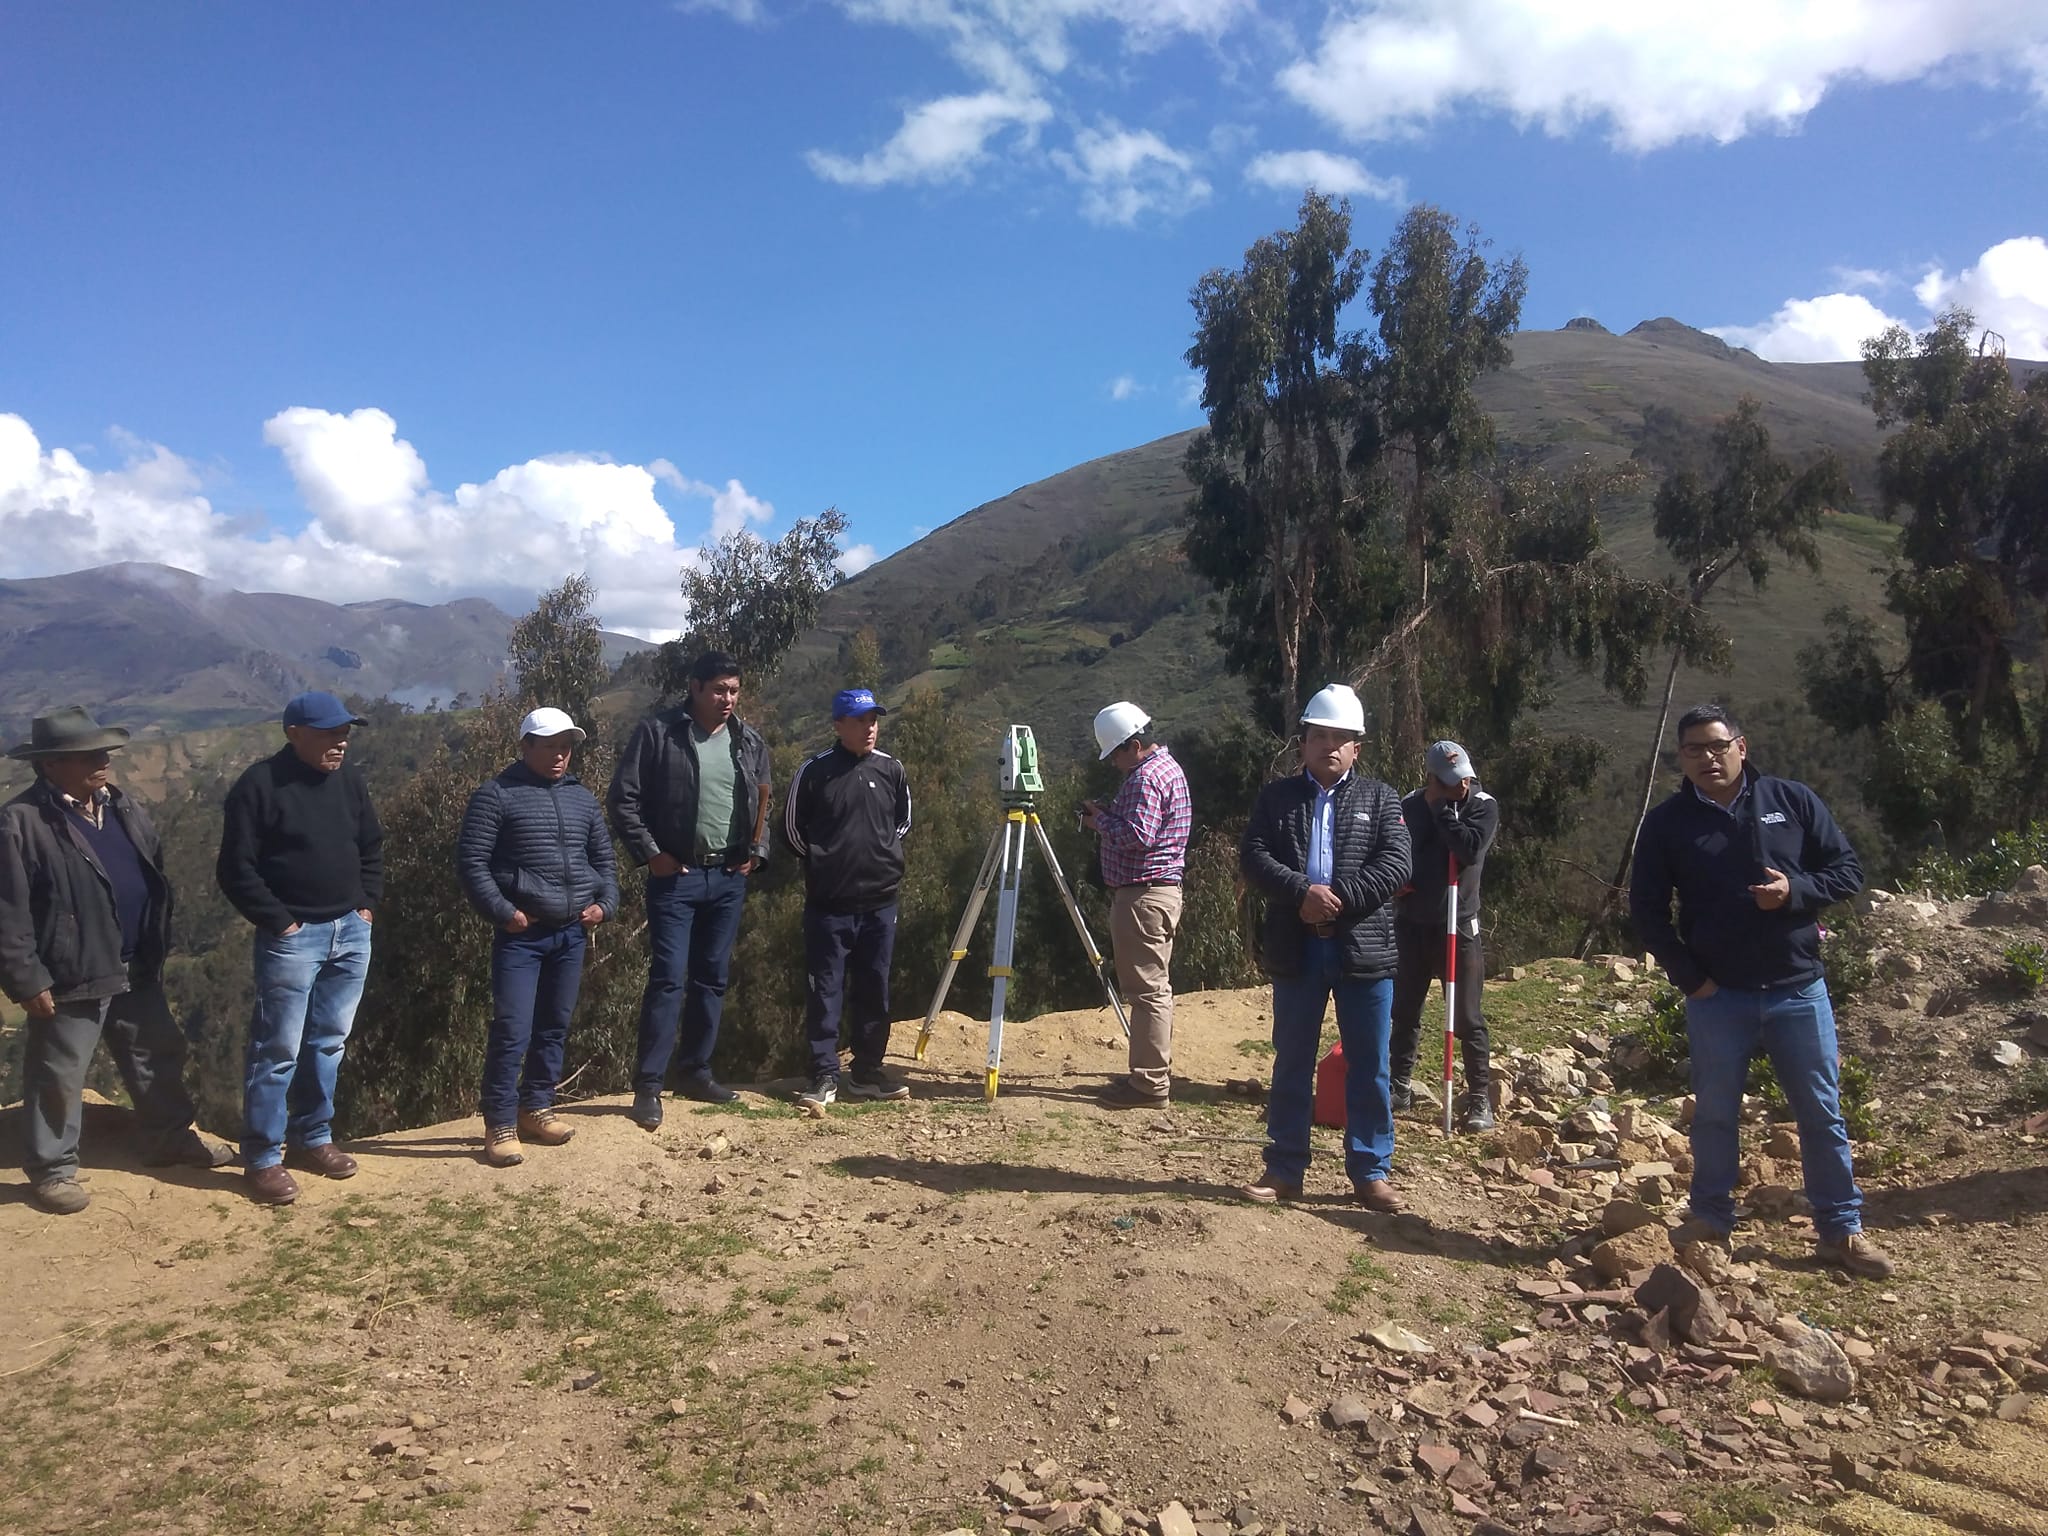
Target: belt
<point>1147,885</point>
<point>1326,930</point>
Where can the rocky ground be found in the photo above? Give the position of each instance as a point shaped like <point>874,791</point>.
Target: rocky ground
<point>1041,1315</point>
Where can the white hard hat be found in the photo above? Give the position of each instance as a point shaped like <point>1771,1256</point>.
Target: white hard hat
<point>550,722</point>
<point>1118,724</point>
<point>1336,706</point>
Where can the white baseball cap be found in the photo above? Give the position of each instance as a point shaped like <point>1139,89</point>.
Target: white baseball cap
<point>549,722</point>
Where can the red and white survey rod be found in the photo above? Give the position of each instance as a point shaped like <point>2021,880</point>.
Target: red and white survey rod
<point>1450,985</point>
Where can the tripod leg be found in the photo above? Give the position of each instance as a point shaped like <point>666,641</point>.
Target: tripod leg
<point>1006,940</point>
<point>960,937</point>
<point>1102,972</point>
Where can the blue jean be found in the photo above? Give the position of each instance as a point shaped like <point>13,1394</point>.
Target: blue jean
<point>692,920</point>
<point>307,987</point>
<point>1795,1027</point>
<point>848,956</point>
<point>534,979</point>
<point>1364,1010</point>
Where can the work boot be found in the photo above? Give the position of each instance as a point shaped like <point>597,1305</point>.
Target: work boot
<point>1855,1253</point>
<point>189,1149</point>
<point>1270,1191</point>
<point>272,1185</point>
<point>544,1127</point>
<point>1378,1195</point>
<point>705,1089</point>
<point>326,1159</point>
<point>1122,1093</point>
<point>646,1109</point>
<point>63,1196</point>
<point>824,1090</point>
<point>501,1146</point>
<point>876,1084</point>
<point>1697,1229</point>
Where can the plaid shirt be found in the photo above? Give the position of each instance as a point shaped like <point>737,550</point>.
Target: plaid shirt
<point>1145,829</point>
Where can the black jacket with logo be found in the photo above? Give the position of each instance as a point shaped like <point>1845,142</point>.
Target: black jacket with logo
<point>1709,858</point>
<point>846,819</point>
<point>653,796</point>
<point>59,930</point>
<point>1369,863</point>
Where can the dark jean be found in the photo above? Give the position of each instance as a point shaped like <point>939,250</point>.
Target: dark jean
<point>1421,952</point>
<point>692,920</point>
<point>848,956</point>
<point>1795,1027</point>
<point>307,987</point>
<point>1363,1009</point>
<point>534,979</point>
<point>149,1050</point>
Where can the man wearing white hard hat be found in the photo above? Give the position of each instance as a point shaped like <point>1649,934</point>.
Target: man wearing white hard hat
<point>1144,841</point>
<point>536,859</point>
<point>1328,848</point>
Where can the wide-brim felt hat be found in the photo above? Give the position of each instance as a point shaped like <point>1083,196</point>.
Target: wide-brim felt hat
<point>69,729</point>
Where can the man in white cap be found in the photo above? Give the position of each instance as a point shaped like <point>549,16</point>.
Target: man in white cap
<point>1144,839</point>
<point>536,859</point>
<point>1449,818</point>
<point>1328,848</point>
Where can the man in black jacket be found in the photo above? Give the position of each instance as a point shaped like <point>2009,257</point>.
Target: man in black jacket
<point>535,858</point>
<point>1450,820</point>
<point>689,799</point>
<point>847,816</point>
<point>302,858</point>
<point>85,918</point>
<point>1327,849</point>
<point>1752,861</point>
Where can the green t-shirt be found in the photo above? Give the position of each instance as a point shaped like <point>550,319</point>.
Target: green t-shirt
<point>715,789</point>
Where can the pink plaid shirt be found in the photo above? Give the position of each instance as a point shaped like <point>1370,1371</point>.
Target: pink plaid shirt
<point>1145,829</point>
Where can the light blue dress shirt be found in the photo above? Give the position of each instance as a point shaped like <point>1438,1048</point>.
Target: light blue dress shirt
<point>1321,843</point>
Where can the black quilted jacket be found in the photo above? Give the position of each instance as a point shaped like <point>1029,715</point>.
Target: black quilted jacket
<point>1369,855</point>
<point>536,847</point>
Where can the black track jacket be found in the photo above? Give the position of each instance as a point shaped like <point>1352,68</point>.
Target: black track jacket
<point>846,818</point>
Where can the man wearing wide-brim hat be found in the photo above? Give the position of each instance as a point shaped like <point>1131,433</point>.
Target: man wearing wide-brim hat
<point>85,918</point>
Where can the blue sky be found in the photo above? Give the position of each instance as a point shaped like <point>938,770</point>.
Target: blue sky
<point>422,300</point>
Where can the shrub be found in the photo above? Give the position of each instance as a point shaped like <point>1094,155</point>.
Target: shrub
<point>2027,959</point>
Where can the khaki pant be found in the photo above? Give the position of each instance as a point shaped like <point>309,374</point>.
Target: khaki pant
<point>1142,922</point>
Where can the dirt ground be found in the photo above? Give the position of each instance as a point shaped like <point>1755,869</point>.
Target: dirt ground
<point>1033,1315</point>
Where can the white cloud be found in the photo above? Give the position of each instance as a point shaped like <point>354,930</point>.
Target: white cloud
<point>1191,387</point>
<point>1124,387</point>
<point>1652,75</point>
<point>748,13</point>
<point>940,140</point>
<point>1826,329</point>
<point>1125,174</point>
<point>1295,170</point>
<point>1849,279</point>
<point>2007,291</point>
<point>856,558</point>
<point>378,526</point>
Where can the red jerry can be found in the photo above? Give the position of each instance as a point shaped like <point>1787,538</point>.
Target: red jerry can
<point>1330,1088</point>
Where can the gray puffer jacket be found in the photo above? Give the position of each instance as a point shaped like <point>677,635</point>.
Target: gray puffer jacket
<point>536,846</point>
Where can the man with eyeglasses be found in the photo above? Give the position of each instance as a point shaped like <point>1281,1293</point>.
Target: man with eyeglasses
<point>1752,861</point>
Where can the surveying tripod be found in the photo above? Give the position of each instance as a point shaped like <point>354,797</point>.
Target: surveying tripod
<point>1021,787</point>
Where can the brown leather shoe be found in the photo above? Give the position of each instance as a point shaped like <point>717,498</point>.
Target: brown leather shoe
<point>1378,1195</point>
<point>544,1127</point>
<point>326,1159</point>
<point>272,1185</point>
<point>1270,1191</point>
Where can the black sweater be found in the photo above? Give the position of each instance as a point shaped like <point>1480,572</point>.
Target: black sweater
<point>300,845</point>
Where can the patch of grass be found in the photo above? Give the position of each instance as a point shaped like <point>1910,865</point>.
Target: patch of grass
<point>1858,1088</point>
<point>1715,1511</point>
<point>1259,1048</point>
<point>2029,1092</point>
<point>1363,1274</point>
<point>2027,961</point>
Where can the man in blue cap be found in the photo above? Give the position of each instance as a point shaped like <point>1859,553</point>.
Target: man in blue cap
<point>302,858</point>
<point>846,818</point>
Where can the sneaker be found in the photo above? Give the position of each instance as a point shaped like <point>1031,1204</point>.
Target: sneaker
<point>1855,1253</point>
<point>189,1149</point>
<point>60,1197</point>
<point>824,1090</point>
<point>1122,1093</point>
<point>1402,1095</point>
<point>501,1146</point>
<point>878,1085</point>
<point>705,1089</point>
<point>646,1109</point>
<point>543,1127</point>
<point>1477,1114</point>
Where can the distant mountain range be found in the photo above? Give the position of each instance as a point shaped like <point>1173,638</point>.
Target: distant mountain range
<point>153,646</point>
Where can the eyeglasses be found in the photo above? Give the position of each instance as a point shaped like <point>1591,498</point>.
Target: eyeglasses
<point>1699,749</point>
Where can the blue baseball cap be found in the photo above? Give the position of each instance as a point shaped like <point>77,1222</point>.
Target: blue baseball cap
<point>321,711</point>
<point>855,701</point>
